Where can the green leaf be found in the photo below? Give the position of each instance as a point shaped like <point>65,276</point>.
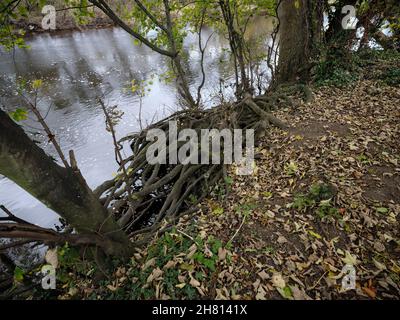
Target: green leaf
<point>285,292</point>
<point>18,274</point>
<point>23,11</point>
<point>19,115</point>
<point>187,267</point>
<point>267,194</point>
<point>229,180</point>
<point>291,168</point>
<point>217,211</point>
<point>209,263</point>
<point>382,210</point>
<point>314,234</point>
<point>36,84</point>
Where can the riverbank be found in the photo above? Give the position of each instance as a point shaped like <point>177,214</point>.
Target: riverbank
<point>325,194</point>
<point>34,27</point>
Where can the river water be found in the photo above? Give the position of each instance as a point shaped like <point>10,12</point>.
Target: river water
<point>79,67</point>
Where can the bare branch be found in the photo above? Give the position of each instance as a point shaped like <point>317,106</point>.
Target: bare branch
<point>102,5</point>
<point>12,217</point>
<point>117,149</point>
<point>50,135</point>
<point>202,52</point>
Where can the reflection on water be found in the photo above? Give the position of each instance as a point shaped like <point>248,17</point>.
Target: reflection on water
<point>77,68</point>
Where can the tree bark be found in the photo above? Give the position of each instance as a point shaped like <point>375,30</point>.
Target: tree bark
<point>236,43</point>
<point>61,189</point>
<point>300,33</point>
<point>183,85</point>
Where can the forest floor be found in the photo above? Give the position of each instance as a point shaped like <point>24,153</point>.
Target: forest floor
<point>323,195</point>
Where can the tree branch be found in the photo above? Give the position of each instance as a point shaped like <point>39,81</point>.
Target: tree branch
<point>103,6</point>
<point>151,17</point>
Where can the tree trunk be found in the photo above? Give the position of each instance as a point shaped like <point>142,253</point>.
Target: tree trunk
<point>61,189</point>
<point>183,85</point>
<point>236,43</point>
<point>300,33</point>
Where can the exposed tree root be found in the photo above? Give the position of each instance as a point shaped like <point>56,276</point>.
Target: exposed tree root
<point>166,191</point>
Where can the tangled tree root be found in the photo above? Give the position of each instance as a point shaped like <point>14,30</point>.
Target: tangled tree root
<point>152,193</point>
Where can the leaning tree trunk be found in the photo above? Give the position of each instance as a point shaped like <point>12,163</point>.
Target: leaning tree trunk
<point>300,33</point>
<point>62,189</point>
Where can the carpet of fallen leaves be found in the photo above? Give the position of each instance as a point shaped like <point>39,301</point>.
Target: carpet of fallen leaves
<point>251,242</point>
<point>350,140</point>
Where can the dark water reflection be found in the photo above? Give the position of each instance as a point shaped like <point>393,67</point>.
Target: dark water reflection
<point>77,68</point>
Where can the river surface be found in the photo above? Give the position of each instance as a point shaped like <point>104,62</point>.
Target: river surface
<point>77,69</point>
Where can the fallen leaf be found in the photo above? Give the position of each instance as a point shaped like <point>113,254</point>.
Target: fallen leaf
<point>263,275</point>
<point>52,257</point>
<point>111,288</point>
<point>194,283</point>
<point>222,252</point>
<point>350,259</point>
<point>371,292</point>
<point>149,263</point>
<point>314,234</point>
<point>170,264</point>
<point>157,273</point>
<point>278,281</point>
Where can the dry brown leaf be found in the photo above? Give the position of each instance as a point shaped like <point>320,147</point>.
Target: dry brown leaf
<point>222,252</point>
<point>156,274</point>
<point>149,263</point>
<point>194,283</point>
<point>263,275</point>
<point>278,281</point>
